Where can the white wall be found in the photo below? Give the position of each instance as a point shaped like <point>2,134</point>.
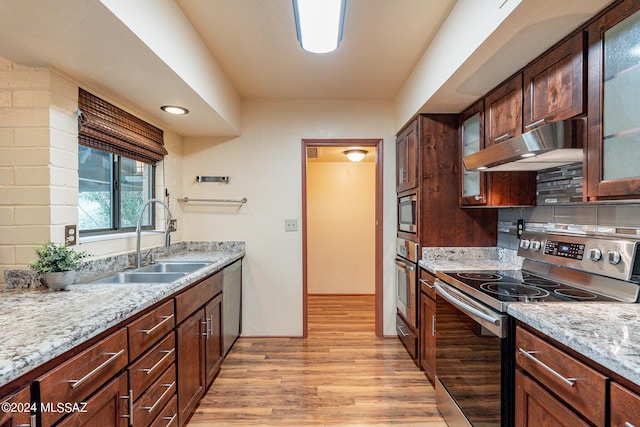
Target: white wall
<point>264,165</point>
<point>341,227</point>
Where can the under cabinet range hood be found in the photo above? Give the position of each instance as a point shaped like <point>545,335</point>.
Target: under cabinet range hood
<point>551,145</point>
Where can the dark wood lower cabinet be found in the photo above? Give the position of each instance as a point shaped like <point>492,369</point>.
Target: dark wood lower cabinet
<point>428,336</point>
<point>535,407</point>
<point>625,407</point>
<point>214,351</point>
<point>108,407</point>
<point>190,345</point>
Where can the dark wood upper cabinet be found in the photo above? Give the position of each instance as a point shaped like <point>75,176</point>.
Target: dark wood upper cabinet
<point>489,189</point>
<point>554,84</point>
<point>613,141</point>
<point>503,112</point>
<point>407,157</point>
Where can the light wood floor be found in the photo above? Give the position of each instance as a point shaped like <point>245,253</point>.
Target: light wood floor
<point>340,375</point>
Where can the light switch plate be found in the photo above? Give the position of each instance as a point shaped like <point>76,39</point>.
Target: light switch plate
<point>290,225</point>
<point>70,235</point>
<point>173,225</point>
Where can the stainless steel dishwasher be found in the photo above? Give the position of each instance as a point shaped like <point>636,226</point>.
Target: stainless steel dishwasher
<point>231,304</point>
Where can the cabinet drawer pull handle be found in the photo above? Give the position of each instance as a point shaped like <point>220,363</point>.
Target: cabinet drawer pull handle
<point>114,356</point>
<point>150,331</point>
<point>529,355</point>
<point>170,419</point>
<point>210,325</point>
<point>433,325</point>
<point>168,354</point>
<point>628,424</point>
<point>502,137</point>
<point>130,416</point>
<point>429,285</point>
<point>536,123</point>
<point>477,197</point>
<point>401,330</point>
<point>161,398</point>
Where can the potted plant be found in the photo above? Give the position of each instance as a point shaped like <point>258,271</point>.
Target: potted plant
<point>56,263</point>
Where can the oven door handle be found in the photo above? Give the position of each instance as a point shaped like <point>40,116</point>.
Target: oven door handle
<point>405,266</point>
<point>460,304</point>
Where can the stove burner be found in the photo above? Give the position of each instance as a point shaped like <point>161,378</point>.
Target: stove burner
<point>576,293</point>
<point>510,289</point>
<point>480,276</point>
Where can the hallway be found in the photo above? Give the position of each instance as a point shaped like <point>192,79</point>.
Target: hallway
<point>340,375</point>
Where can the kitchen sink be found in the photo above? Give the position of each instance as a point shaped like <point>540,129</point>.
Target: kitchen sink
<point>141,277</point>
<point>174,266</point>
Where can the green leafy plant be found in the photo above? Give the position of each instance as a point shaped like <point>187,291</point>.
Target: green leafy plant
<point>54,257</point>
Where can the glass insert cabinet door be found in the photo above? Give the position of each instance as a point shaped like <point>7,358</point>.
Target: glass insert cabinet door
<point>471,134</point>
<point>614,112</point>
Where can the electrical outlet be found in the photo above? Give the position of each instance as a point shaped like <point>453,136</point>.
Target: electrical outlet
<point>70,235</point>
<point>290,225</point>
<point>173,225</point>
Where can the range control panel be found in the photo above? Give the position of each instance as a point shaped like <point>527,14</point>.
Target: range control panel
<point>612,257</point>
<point>564,249</point>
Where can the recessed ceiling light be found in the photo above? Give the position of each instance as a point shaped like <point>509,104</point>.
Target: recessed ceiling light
<point>174,109</point>
<point>319,24</point>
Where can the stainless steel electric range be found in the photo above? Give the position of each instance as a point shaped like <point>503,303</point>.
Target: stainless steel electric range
<point>474,335</point>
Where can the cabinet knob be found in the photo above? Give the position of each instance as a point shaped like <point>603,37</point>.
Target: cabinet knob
<point>478,197</point>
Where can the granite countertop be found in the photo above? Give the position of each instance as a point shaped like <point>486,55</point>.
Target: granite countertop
<point>460,258</point>
<point>39,325</point>
<point>607,333</point>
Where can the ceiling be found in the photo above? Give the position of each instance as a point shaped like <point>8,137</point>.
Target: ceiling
<point>255,41</point>
<point>210,55</point>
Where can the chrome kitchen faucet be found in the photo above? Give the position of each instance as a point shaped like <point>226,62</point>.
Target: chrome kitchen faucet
<point>139,229</point>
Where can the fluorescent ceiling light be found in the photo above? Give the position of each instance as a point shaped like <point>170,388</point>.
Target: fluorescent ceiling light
<point>319,24</point>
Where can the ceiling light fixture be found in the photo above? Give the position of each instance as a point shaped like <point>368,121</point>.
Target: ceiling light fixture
<point>319,24</point>
<point>356,155</point>
<point>174,109</point>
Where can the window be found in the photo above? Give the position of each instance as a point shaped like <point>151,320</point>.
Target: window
<point>117,153</point>
<point>112,190</point>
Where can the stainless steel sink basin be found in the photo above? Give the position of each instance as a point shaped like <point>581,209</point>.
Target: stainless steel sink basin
<point>174,266</point>
<point>141,277</point>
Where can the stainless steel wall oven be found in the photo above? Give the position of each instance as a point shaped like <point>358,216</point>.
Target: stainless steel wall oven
<point>407,294</point>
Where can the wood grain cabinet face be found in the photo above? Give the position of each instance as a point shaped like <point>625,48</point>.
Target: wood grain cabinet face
<point>427,340</point>
<point>213,338</point>
<point>625,407</point>
<point>190,344</point>
<point>582,387</point>
<point>77,378</point>
<point>407,158</point>
<point>613,141</point>
<point>535,407</point>
<point>503,112</point>
<point>21,416</point>
<point>147,330</point>
<point>554,85</point>
<point>108,407</point>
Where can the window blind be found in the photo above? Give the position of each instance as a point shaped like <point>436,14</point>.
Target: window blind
<point>105,127</point>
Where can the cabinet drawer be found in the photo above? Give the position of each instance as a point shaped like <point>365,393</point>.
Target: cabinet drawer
<point>19,415</point>
<point>572,381</point>
<point>195,297</point>
<point>168,417</point>
<point>536,407</point>
<point>154,399</point>
<point>427,283</point>
<point>146,370</point>
<point>625,407</point>
<point>148,329</point>
<point>78,377</point>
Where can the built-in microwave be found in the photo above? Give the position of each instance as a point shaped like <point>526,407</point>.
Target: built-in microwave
<point>408,213</point>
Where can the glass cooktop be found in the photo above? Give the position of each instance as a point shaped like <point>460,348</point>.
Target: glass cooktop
<point>497,288</point>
